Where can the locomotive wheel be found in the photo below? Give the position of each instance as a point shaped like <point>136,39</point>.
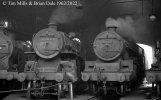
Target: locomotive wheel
<point>28,95</point>
<point>92,89</point>
<point>95,89</point>
<point>158,88</point>
<point>123,89</point>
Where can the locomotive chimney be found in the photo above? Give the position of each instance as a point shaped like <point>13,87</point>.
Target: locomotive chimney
<point>53,25</point>
<point>111,24</point>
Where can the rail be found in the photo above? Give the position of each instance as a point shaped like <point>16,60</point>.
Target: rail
<point>59,89</point>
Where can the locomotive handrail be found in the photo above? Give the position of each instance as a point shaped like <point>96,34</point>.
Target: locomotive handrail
<point>107,38</point>
<point>29,52</point>
<point>112,51</point>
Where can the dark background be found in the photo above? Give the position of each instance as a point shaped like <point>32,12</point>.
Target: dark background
<point>135,13</point>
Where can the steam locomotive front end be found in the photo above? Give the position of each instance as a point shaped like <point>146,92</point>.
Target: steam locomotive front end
<point>50,45</point>
<point>108,47</point>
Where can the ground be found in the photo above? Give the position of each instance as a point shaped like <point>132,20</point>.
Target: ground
<point>138,94</point>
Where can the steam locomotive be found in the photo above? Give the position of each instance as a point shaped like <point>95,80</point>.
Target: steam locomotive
<point>6,48</point>
<point>57,66</point>
<point>119,65</point>
<point>153,74</point>
<point>10,62</point>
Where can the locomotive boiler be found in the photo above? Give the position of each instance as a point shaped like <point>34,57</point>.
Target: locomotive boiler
<point>58,64</point>
<point>119,65</point>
